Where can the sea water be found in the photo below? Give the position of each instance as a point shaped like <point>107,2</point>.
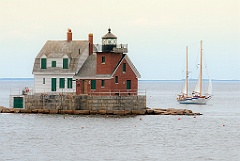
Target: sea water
<point>211,136</point>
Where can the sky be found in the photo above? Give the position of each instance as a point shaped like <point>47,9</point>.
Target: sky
<point>156,31</point>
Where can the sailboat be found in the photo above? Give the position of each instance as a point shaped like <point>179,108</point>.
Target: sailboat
<point>197,96</point>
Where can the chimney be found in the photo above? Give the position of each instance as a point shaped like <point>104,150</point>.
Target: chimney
<point>90,39</point>
<point>69,35</point>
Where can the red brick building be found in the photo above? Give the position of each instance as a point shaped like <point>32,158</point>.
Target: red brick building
<point>108,70</point>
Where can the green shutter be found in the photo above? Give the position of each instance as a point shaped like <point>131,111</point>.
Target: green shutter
<point>69,82</point>
<point>61,83</point>
<point>93,84</point>
<point>54,84</point>
<point>128,84</point>
<point>65,63</point>
<point>44,63</point>
<point>54,63</point>
<point>124,67</point>
<point>18,102</point>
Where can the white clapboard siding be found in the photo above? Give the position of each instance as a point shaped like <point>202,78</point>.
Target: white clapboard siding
<point>46,88</point>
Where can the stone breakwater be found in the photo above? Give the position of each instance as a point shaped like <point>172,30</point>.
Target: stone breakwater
<point>147,111</point>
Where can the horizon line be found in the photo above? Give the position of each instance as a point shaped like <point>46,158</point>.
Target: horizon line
<point>30,78</point>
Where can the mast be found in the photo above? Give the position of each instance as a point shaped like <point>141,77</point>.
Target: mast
<point>186,71</point>
<point>200,76</point>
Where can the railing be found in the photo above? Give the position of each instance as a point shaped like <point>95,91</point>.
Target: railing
<point>120,48</point>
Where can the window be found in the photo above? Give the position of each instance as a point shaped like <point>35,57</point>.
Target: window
<point>103,59</point>
<point>65,63</point>
<point>44,81</point>
<point>54,63</point>
<point>128,84</point>
<point>116,79</point>
<point>44,63</point>
<point>93,84</point>
<point>62,83</point>
<point>103,83</point>
<point>69,83</point>
<point>124,67</point>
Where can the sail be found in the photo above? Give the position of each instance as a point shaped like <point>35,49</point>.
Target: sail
<point>197,87</point>
<point>210,87</point>
<point>184,90</point>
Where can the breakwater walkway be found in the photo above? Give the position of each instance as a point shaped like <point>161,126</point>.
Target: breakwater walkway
<point>147,111</point>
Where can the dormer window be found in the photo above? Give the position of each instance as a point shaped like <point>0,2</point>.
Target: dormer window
<point>65,63</point>
<point>43,63</point>
<point>103,60</point>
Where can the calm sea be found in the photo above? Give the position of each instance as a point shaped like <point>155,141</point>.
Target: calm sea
<point>215,135</point>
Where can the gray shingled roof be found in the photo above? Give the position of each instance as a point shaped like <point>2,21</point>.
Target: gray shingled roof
<point>57,49</point>
<point>88,70</point>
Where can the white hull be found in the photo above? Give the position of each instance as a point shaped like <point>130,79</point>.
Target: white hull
<point>195,100</point>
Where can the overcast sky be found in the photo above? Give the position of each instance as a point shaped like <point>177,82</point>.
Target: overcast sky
<point>156,31</point>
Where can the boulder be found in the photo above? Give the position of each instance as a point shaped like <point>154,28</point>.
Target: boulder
<point>40,110</point>
<point>102,112</point>
<point>5,110</point>
<point>46,111</point>
<point>139,112</point>
<point>25,111</point>
<point>16,110</point>
<point>34,110</point>
<point>53,111</point>
<point>93,112</point>
<point>119,112</point>
<point>158,111</point>
<point>109,112</point>
<point>69,112</point>
<point>150,111</point>
<point>83,112</point>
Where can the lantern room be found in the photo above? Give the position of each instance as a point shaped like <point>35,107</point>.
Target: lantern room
<point>109,42</point>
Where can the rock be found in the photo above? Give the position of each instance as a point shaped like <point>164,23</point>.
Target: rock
<point>158,111</point>
<point>118,112</point>
<point>46,111</point>
<point>25,111</point>
<point>139,112</point>
<point>40,110</point>
<point>69,112</point>
<point>34,111</point>
<point>150,111</point>
<point>109,112</point>
<point>53,111</point>
<point>102,112</point>
<point>83,112</point>
<point>16,110</point>
<point>11,110</point>
<point>5,110</point>
<point>93,112</point>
